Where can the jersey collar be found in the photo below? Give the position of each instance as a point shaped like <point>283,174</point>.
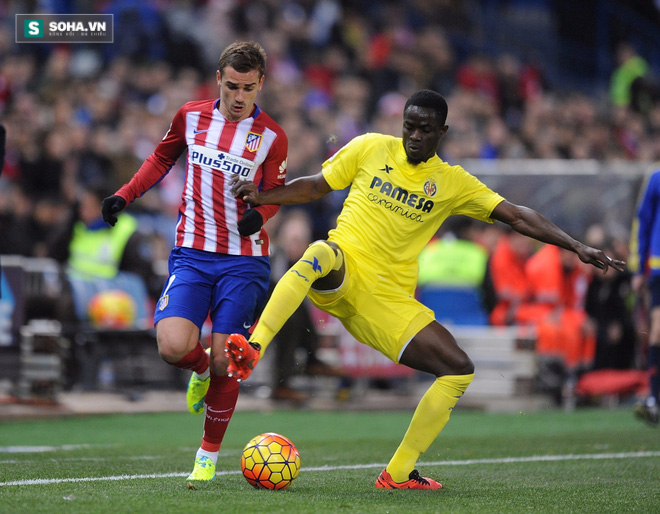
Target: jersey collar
<point>255,112</point>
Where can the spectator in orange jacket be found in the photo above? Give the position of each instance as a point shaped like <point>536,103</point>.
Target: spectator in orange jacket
<point>513,292</point>
<point>559,284</point>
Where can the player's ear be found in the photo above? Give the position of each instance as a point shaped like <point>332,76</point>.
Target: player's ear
<point>218,76</point>
<point>261,82</point>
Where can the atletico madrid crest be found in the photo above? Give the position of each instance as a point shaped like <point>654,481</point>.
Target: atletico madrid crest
<point>253,141</point>
<point>163,301</point>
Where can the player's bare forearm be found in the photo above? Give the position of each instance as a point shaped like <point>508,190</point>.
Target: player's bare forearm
<point>530,223</point>
<point>300,190</point>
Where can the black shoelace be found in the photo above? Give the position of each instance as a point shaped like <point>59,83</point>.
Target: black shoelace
<point>414,475</point>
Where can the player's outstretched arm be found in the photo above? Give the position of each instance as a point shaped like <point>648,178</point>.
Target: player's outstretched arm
<point>300,190</point>
<point>530,223</point>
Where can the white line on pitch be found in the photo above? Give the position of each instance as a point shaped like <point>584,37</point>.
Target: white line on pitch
<point>43,449</point>
<point>505,460</point>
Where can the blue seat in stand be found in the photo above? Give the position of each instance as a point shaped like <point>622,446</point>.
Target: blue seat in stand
<point>454,305</point>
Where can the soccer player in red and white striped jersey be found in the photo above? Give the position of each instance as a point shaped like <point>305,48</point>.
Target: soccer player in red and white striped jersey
<point>219,265</point>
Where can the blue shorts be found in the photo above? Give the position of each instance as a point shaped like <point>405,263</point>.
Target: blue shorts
<point>231,288</point>
<point>654,290</point>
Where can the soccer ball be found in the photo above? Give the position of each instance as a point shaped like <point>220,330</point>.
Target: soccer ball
<point>112,309</point>
<point>270,461</point>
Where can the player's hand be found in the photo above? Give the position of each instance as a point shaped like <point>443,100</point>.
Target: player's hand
<point>110,206</point>
<point>251,222</point>
<point>245,190</point>
<point>598,259</point>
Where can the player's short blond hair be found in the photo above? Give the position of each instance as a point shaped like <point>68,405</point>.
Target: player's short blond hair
<point>244,56</point>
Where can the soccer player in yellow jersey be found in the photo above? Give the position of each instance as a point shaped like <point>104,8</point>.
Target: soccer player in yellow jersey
<point>366,272</point>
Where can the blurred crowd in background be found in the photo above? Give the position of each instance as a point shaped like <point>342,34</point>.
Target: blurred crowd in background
<point>82,116</point>
<point>79,114</point>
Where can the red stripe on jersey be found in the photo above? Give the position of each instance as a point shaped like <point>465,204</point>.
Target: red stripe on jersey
<point>194,173</point>
<point>227,135</point>
<point>198,241</point>
<point>258,127</point>
<point>201,130</point>
<point>222,237</point>
<point>200,135</point>
<point>221,234</point>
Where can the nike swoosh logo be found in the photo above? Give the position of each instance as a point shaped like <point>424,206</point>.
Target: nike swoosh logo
<point>247,325</point>
<point>199,131</point>
<point>219,411</point>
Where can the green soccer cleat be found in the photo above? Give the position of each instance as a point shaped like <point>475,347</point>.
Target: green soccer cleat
<point>204,471</point>
<point>196,392</point>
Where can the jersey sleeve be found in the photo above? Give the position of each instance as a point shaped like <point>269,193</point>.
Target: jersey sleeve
<point>159,163</point>
<point>474,198</point>
<point>274,173</point>
<point>340,169</point>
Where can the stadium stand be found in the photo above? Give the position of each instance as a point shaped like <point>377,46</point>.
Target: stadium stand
<point>527,83</point>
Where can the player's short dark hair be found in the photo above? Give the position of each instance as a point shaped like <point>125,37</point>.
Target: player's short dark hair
<point>429,100</point>
<point>244,56</point>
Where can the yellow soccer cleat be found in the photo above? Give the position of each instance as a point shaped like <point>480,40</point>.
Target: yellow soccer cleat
<point>196,392</point>
<point>204,471</point>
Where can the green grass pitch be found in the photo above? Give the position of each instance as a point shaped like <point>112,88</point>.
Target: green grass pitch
<point>591,460</point>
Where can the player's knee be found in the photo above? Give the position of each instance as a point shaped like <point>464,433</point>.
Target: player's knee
<point>319,259</point>
<point>463,366</point>
<point>459,364</point>
<point>169,352</point>
<point>219,363</point>
<point>172,346</point>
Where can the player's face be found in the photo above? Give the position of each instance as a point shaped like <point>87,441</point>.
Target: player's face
<point>421,133</point>
<point>238,92</point>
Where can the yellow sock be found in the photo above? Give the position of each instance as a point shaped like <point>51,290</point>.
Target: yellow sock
<point>430,417</point>
<point>317,261</point>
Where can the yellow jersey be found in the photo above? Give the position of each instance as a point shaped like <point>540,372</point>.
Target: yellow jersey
<point>394,208</point>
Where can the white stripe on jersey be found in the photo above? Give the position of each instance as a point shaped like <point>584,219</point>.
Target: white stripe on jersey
<point>266,142</point>
<point>208,200</point>
<point>192,119</point>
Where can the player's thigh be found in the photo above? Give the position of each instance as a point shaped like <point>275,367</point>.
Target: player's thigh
<point>188,289</point>
<point>239,294</point>
<point>374,311</point>
<point>434,350</point>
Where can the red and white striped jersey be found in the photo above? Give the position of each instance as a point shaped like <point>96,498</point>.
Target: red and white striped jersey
<point>254,148</point>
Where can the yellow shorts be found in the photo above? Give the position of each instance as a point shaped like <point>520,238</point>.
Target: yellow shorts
<point>375,311</point>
